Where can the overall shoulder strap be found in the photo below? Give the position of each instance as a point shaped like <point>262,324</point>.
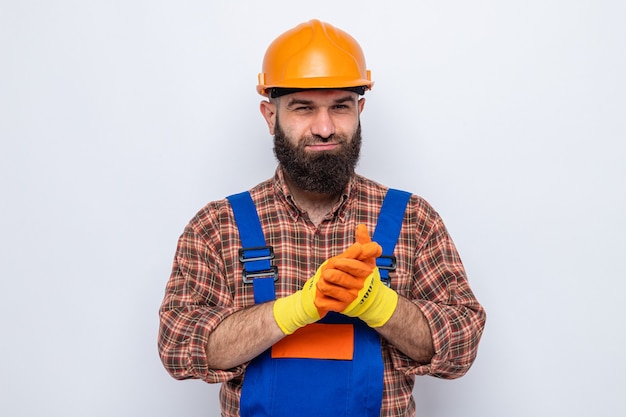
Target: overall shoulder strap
<point>255,255</point>
<point>388,229</point>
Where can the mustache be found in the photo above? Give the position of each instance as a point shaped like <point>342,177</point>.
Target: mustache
<point>315,139</point>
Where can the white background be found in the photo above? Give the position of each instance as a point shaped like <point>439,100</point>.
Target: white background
<point>120,119</point>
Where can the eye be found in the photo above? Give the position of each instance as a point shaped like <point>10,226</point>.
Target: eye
<point>342,107</point>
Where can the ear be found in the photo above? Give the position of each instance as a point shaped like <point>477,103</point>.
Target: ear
<point>361,104</point>
<point>268,110</point>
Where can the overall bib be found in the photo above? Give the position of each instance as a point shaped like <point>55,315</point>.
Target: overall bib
<point>330,368</point>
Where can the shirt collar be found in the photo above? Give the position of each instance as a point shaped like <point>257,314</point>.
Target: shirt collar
<point>339,210</point>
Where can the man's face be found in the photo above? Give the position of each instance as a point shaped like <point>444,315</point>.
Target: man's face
<point>317,138</point>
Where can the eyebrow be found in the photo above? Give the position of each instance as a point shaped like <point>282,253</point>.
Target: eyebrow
<point>297,101</point>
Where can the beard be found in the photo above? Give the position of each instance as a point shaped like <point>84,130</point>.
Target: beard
<point>325,172</point>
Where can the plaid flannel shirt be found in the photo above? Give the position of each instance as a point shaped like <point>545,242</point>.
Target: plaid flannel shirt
<point>206,285</point>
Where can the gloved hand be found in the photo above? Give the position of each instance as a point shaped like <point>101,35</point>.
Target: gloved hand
<point>357,281</point>
<point>305,306</point>
<point>359,261</point>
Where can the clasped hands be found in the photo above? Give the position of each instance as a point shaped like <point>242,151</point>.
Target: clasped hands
<point>348,283</point>
<point>345,279</point>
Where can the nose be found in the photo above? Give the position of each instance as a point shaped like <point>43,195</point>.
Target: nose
<point>323,125</point>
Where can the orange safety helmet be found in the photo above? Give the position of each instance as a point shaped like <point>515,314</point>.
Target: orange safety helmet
<point>314,55</point>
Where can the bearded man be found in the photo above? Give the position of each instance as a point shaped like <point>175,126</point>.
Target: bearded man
<point>281,294</point>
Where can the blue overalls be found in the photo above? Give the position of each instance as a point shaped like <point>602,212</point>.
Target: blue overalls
<point>291,378</point>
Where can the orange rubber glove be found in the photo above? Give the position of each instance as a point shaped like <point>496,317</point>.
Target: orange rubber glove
<point>357,282</point>
<point>340,286</point>
<point>306,306</point>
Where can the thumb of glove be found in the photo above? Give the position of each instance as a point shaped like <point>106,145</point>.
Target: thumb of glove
<point>362,236</point>
<point>369,250</point>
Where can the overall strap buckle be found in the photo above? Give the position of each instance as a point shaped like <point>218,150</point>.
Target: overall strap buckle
<point>256,261</point>
<point>386,264</point>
